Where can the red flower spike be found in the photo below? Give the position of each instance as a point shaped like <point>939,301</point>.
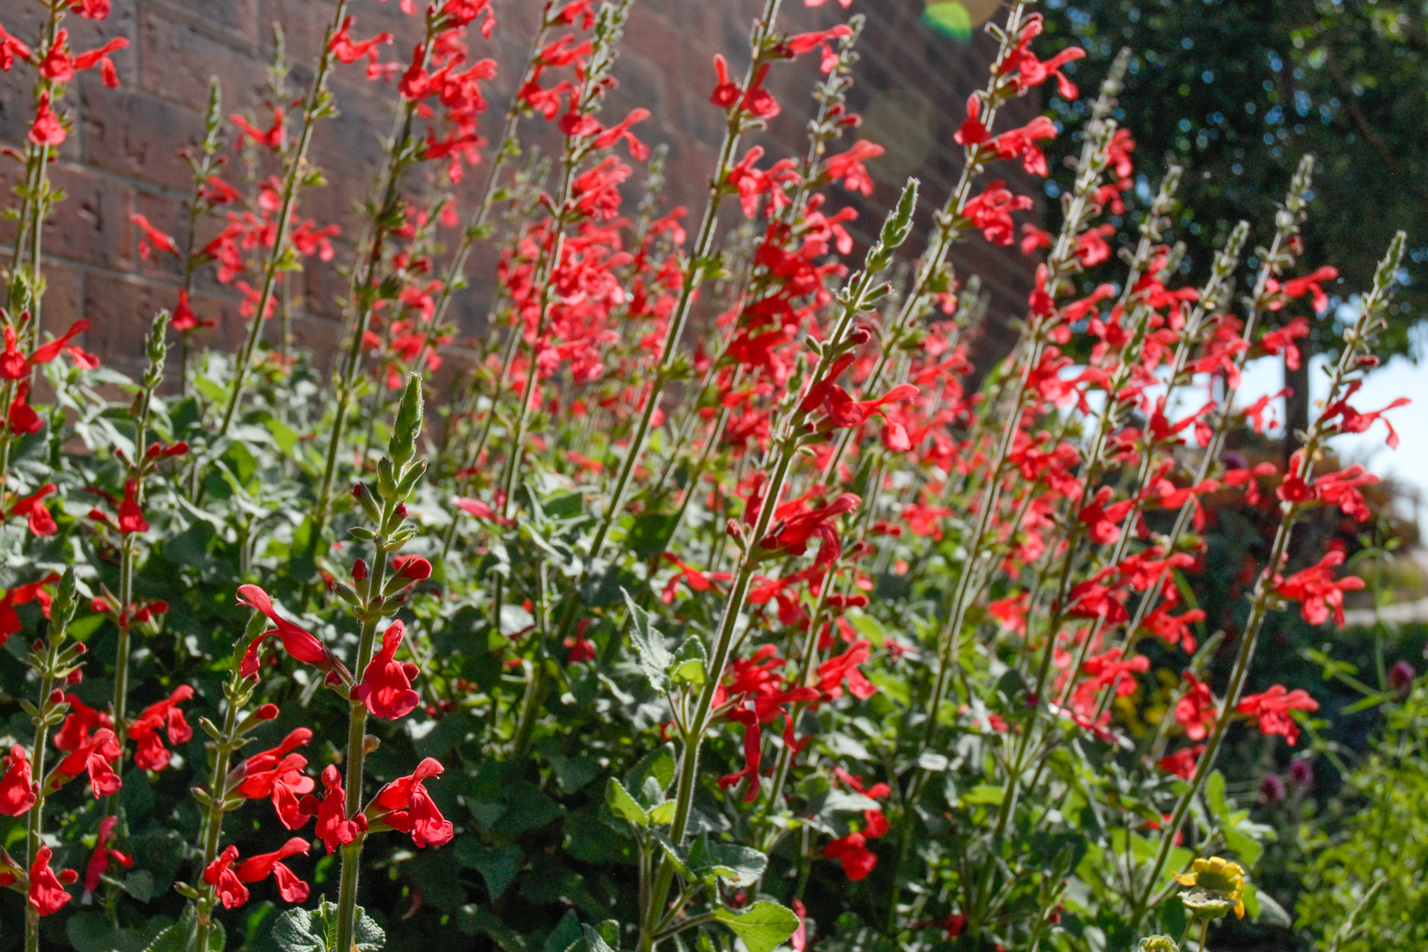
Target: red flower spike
<point>386,687</point>
<point>47,893</point>
<point>220,873</point>
<point>99,859</point>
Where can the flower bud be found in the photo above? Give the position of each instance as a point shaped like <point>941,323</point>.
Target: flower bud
<point>178,449</point>
<point>154,451</point>
<point>415,568</point>
<point>359,570</point>
<point>1400,678</point>
<point>56,696</point>
<point>267,712</point>
<point>75,676</point>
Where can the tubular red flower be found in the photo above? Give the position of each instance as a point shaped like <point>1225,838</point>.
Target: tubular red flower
<point>99,859</point>
<point>411,808</point>
<point>264,865</point>
<point>1273,708</point>
<point>333,826</point>
<point>47,893</point>
<point>386,687</point>
<point>302,645</point>
<point>18,791</point>
<point>220,874</point>
<point>151,754</point>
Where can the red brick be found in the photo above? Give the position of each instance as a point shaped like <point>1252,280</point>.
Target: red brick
<point>236,20</point>
<point>139,135</point>
<point>92,224</point>
<point>178,58</point>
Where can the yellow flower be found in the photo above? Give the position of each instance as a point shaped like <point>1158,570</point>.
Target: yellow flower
<point>1216,885</point>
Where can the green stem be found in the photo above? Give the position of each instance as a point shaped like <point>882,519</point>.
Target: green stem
<point>213,821</point>
<point>356,743</point>
<point>292,182</point>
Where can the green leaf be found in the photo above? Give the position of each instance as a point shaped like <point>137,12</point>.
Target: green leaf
<point>179,937</point>
<point>691,662</point>
<point>593,941</point>
<point>740,865</point>
<point>658,763</point>
<point>763,926</point>
<point>1215,795</point>
<point>650,534</point>
<point>565,934</point>
<point>983,793</point>
<point>299,930</point>
<point>655,659</point>
<point>623,805</point>
<point>498,866</point>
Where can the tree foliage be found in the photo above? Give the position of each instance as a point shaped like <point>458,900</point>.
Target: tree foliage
<point>1237,90</point>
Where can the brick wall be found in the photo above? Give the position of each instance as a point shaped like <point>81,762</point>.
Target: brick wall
<point>123,155</point>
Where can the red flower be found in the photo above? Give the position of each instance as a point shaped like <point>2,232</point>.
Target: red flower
<point>35,513</point>
<point>300,644</point>
<point>21,419</point>
<point>753,754</point>
<point>96,757</point>
<point>858,861</point>
<point>81,721</point>
<point>348,50</point>
<point>131,517</point>
<point>1196,708</point>
<point>386,687</point>
<point>17,790</point>
<point>791,535</point>
<point>151,754</point>
<point>264,865</point>
<point>16,366</point>
<point>47,128</point>
<point>220,873</point>
<point>848,168</point>
<point>1352,420</point>
<point>1182,763</point>
<point>47,892</point>
<point>1273,707</point>
<point>412,567</point>
<point>412,809</point>
<point>1318,590</point>
<point>23,595</point>
<point>99,859</point>
<point>10,47</point>
<point>278,774</point>
<point>990,212</point>
<point>333,826</point>
<point>153,238</point>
